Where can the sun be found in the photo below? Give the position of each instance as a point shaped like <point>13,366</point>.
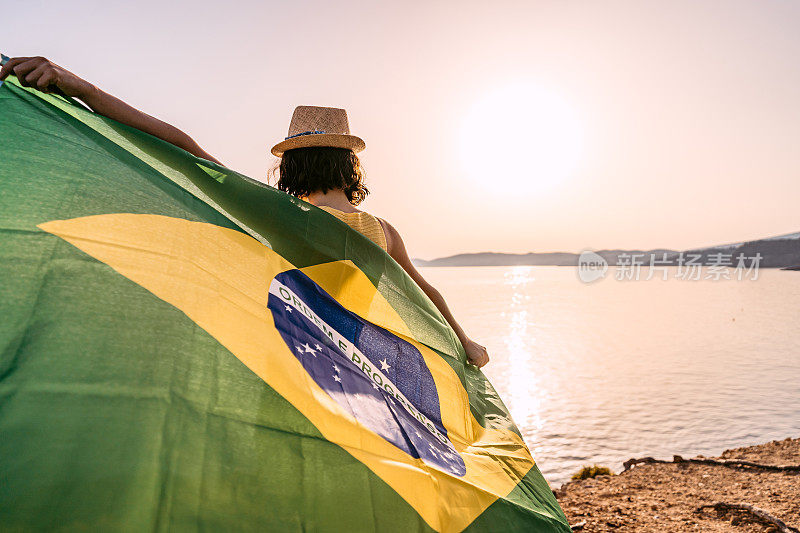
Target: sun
<point>521,138</point>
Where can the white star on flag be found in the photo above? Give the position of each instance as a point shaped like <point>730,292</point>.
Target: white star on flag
<point>336,369</point>
<point>299,349</point>
<point>384,365</point>
<point>337,378</point>
<point>310,350</point>
<point>288,308</point>
<point>318,347</point>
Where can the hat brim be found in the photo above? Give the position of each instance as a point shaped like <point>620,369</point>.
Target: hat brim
<point>319,140</point>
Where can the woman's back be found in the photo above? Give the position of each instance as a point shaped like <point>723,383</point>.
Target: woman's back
<point>366,224</point>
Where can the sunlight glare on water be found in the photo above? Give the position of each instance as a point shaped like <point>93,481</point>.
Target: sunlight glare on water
<point>522,385</point>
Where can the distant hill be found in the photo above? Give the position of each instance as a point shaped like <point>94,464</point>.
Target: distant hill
<point>782,251</point>
<point>776,252</point>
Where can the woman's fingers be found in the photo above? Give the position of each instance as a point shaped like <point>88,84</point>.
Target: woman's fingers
<point>484,357</point>
<point>477,354</point>
<point>35,72</point>
<point>23,69</point>
<point>28,70</point>
<point>46,80</point>
<point>8,68</point>
<point>32,77</point>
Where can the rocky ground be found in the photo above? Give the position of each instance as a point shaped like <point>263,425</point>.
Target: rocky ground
<point>666,497</point>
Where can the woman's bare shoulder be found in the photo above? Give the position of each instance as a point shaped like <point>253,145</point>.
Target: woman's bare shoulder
<point>394,242</point>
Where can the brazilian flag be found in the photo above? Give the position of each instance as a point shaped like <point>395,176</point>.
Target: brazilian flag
<point>185,349</point>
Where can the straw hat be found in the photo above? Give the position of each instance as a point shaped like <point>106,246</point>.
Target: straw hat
<point>318,126</point>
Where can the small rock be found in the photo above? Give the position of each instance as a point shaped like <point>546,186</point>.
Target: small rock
<point>735,520</point>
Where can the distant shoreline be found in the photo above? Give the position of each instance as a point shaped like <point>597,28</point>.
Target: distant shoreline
<point>774,252</point>
<point>421,264</point>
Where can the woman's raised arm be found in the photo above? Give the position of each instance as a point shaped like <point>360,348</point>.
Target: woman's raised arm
<point>476,354</point>
<point>45,75</point>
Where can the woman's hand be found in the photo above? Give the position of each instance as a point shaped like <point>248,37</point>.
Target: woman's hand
<point>476,354</point>
<point>45,75</point>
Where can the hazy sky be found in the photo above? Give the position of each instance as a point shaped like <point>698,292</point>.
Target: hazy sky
<point>490,126</point>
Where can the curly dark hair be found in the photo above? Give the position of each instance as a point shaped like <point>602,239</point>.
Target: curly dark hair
<point>305,170</point>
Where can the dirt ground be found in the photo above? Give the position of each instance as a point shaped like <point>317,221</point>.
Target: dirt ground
<point>665,497</point>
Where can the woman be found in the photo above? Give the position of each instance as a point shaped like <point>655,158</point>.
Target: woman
<point>318,163</point>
